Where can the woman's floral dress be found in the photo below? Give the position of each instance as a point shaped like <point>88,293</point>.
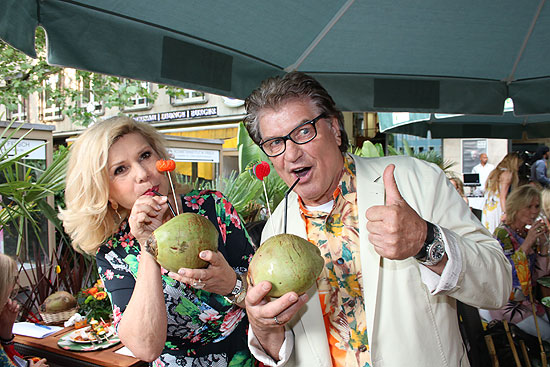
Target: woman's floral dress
<point>524,275</point>
<point>204,329</point>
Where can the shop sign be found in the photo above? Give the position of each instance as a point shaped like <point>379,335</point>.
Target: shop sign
<point>194,155</point>
<point>178,115</point>
<point>24,146</point>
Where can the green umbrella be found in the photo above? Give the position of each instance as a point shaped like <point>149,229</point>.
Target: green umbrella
<point>399,55</point>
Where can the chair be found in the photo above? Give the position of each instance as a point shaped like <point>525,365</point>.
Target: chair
<point>471,330</point>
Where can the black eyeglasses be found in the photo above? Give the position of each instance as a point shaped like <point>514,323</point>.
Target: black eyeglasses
<point>301,134</point>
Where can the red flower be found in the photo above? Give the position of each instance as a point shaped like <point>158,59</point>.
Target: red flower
<point>194,202</point>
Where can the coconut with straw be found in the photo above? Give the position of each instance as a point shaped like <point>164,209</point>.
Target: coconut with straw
<point>289,262</point>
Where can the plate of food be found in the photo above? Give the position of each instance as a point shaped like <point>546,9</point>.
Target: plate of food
<point>86,335</point>
<point>94,337</point>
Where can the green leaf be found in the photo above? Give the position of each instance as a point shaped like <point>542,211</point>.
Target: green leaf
<point>544,281</point>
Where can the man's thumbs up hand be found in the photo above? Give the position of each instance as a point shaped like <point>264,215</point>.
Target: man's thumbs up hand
<point>395,229</point>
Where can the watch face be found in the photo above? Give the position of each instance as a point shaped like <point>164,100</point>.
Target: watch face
<point>437,252</point>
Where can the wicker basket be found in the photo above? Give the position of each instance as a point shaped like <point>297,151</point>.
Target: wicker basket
<point>57,317</point>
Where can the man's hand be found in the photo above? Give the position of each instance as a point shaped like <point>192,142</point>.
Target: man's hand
<point>267,317</point>
<point>395,229</point>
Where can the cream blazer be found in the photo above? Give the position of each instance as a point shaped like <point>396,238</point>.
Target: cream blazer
<point>406,325</point>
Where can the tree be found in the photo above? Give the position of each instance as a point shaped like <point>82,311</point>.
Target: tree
<point>21,76</point>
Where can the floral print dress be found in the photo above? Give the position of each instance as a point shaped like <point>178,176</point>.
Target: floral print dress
<point>204,329</point>
<point>524,276</point>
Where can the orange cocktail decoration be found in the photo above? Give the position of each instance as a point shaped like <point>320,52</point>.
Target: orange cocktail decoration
<point>168,165</point>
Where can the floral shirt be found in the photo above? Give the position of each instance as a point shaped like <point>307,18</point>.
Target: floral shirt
<point>340,283</point>
<point>204,329</point>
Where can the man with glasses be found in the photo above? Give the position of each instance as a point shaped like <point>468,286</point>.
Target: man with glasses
<point>400,245</point>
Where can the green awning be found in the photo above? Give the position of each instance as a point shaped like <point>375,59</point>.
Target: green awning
<point>425,56</point>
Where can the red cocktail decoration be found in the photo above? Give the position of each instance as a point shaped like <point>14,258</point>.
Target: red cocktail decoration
<point>261,170</point>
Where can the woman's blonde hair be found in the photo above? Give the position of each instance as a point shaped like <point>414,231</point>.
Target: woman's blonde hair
<point>510,162</point>
<point>545,202</point>
<point>8,276</point>
<point>518,199</point>
<point>88,217</point>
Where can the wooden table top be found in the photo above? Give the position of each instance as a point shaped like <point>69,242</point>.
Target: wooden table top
<point>105,357</point>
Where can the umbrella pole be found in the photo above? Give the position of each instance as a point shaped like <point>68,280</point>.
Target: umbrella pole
<point>542,353</point>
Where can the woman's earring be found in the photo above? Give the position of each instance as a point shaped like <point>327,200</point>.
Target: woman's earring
<point>119,216</point>
<point>115,208</point>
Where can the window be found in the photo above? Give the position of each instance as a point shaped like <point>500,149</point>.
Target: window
<point>139,102</point>
<point>188,96</point>
<point>89,100</point>
<point>18,113</point>
<point>50,110</point>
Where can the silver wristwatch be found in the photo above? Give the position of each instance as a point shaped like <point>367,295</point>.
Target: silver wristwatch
<point>433,250</point>
<point>238,293</point>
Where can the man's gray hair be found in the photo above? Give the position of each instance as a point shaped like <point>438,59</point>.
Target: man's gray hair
<point>275,91</point>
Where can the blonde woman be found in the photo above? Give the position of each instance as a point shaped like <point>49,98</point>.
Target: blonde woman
<point>459,186</point>
<point>9,309</point>
<point>112,208</point>
<point>500,182</point>
<point>519,235</point>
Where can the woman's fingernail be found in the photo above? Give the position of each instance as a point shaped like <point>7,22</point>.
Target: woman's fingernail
<point>181,272</point>
<point>202,255</point>
<point>292,298</point>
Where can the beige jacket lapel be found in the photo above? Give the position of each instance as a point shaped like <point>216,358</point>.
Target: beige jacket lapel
<point>370,191</point>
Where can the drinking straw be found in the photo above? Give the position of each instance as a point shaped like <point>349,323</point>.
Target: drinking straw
<point>286,199</point>
<point>167,202</point>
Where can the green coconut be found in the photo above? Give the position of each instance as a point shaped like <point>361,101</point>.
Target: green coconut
<point>289,262</point>
<point>58,302</point>
<point>178,242</point>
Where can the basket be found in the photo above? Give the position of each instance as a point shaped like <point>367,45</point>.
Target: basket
<point>57,317</point>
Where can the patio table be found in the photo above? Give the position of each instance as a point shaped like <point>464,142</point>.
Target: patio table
<point>47,348</point>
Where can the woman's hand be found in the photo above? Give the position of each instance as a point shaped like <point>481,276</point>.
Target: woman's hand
<point>147,215</point>
<point>40,363</point>
<point>8,317</point>
<point>536,232</point>
<point>218,277</point>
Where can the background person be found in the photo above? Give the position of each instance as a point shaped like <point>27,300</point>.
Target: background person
<point>394,267</point>
<point>111,212</point>
<point>539,166</point>
<point>483,168</point>
<point>9,309</point>
<point>459,186</point>
<point>500,182</point>
<point>519,235</point>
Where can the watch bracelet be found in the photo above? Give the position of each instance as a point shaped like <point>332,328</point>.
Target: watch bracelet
<point>433,238</point>
<point>237,298</point>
